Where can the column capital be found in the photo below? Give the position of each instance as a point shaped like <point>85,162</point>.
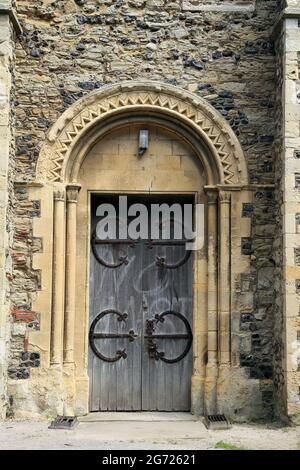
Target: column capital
<point>72,193</point>
<point>212,194</point>
<point>59,195</point>
<point>224,197</point>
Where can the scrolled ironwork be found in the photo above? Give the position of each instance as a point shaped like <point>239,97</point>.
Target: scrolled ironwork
<point>150,336</point>
<point>123,260</point>
<point>161,260</point>
<point>122,317</point>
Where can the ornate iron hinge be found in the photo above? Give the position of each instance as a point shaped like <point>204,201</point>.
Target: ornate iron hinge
<point>150,336</point>
<point>122,317</point>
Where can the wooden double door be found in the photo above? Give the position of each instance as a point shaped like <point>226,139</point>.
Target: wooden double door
<point>140,329</point>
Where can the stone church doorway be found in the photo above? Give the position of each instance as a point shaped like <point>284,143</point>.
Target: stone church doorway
<point>140,336</point>
<point>94,151</point>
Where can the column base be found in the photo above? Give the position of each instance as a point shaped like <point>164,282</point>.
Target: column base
<point>223,389</point>
<point>198,392</point>
<point>210,404</point>
<point>82,395</point>
<point>69,389</point>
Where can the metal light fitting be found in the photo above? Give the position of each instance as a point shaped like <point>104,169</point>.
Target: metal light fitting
<point>143,142</point>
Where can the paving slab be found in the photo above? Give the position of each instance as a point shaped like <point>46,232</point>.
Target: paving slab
<point>142,431</point>
<point>137,416</point>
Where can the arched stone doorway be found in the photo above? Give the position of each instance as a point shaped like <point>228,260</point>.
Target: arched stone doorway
<point>210,164</point>
<point>169,171</point>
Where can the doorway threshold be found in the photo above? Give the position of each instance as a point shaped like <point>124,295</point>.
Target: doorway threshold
<point>141,416</point>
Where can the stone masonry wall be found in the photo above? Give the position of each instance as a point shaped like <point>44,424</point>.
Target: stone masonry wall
<point>71,47</point>
<point>278,338</point>
<point>7,36</point>
<point>290,207</point>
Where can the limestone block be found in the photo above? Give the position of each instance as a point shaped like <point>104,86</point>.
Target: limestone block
<point>292,128</point>
<point>290,86</point>
<point>215,5</point>
<point>292,305</point>
<point>292,113</point>
<point>5,142</point>
<point>292,4</point>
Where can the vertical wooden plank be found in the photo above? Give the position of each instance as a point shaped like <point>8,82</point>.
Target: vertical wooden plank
<point>171,289</point>
<point>117,385</point>
<point>142,289</point>
<point>148,270</point>
<point>137,326</point>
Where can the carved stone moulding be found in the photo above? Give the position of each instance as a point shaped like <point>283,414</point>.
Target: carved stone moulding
<point>150,97</point>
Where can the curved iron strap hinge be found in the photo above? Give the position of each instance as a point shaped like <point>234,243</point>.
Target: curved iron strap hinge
<point>92,336</point>
<point>154,353</point>
<point>161,261</point>
<point>123,260</point>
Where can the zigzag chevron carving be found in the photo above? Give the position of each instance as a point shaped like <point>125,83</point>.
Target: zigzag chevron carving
<point>53,159</point>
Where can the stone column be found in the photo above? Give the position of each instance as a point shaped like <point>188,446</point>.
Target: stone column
<point>8,24</point>
<point>286,329</point>
<point>199,329</point>
<point>58,279</point>
<point>224,279</point>
<point>72,199</point>
<point>212,306</point>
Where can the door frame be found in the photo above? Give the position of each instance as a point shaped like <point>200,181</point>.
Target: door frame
<point>92,193</point>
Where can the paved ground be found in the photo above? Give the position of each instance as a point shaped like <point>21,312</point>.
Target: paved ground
<point>145,431</point>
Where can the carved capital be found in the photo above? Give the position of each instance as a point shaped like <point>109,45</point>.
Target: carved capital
<point>224,197</point>
<point>59,195</point>
<point>212,196</point>
<point>72,193</point>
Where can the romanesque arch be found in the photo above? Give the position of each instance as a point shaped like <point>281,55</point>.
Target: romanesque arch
<point>56,163</point>
<point>58,187</point>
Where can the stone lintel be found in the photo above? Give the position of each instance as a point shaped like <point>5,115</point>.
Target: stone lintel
<point>28,184</point>
<point>10,12</point>
<point>244,187</point>
<point>222,7</point>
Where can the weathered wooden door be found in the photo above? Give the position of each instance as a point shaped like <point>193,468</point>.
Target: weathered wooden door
<point>140,336</point>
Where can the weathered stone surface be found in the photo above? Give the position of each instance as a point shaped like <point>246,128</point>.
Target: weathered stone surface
<point>6,195</point>
<point>222,52</point>
<point>179,53</point>
<point>215,5</point>
<point>73,48</point>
